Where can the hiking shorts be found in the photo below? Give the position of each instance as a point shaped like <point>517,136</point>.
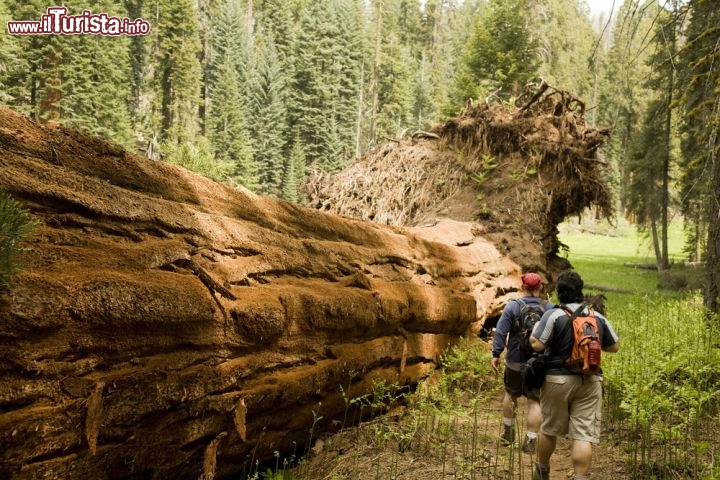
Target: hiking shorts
<point>515,386</point>
<point>572,405</point>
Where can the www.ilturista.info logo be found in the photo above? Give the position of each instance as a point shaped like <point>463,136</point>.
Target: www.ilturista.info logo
<point>57,22</point>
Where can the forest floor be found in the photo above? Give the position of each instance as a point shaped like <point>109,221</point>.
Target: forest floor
<point>462,444</point>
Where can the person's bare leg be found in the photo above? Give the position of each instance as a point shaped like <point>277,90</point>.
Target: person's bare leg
<point>581,456</point>
<point>545,448</point>
<point>508,405</point>
<point>534,416</point>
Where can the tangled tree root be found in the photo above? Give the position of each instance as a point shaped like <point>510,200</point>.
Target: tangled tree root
<point>524,168</point>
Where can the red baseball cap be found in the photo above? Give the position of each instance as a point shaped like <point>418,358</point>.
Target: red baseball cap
<point>531,281</point>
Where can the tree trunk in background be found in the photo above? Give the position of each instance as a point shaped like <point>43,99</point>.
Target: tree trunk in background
<point>375,82</point>
<point>712,290</point>
<point>656,242</point>
<point>358,122</point>
<point>666,158</point>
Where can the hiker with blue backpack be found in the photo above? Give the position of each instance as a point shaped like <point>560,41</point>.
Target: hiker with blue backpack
<point>513,332</point>
<point>572,336</point>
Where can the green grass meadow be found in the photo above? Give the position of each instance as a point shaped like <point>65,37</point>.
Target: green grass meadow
<point>605,255</point>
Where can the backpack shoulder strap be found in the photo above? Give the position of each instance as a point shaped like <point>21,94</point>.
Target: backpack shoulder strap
<point>572,315</point>
<point>516,321</point>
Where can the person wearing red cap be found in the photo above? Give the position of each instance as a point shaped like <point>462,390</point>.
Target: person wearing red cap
<point>508,335</point>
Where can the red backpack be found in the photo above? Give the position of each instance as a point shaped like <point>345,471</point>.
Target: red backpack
<point>585,355</point>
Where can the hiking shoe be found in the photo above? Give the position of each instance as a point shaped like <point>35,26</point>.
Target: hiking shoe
<point>528,445</point>
<point>508,436</point>
<point>540,473</point>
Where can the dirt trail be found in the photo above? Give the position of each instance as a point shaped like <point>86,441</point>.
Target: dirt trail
<point>451,446</point>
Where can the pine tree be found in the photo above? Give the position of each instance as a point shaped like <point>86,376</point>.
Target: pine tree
<point>500,54</point>
<point>35,83</point>
<point>267,86</point>
<point>324,86</point>
<point>395,89</point>
<point>294,173</point>
<point>701,147</point>
<point>458,86</point>
<point>10,58</point>
<point>177,70</point>
<point>566,40</point>
<point>624,96</point>
<point>95,93</point>
<point>227,117</point>
<point>649,192</point>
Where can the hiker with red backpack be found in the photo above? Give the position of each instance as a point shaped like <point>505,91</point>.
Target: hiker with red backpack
<point>572,336</point>
<point>513,330</point>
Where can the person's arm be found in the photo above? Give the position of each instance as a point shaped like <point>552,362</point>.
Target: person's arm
<point>612,348</point>
<point>610,341</point>
<point>536,344</point>
<point>500,338</point>
<point>538,332</point>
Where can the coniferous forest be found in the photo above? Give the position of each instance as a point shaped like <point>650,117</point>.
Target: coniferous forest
<point>261,93</point>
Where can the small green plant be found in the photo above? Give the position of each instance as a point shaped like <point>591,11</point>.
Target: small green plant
<point>316,419</point>
<point>16,224</point>
<point>487,165</point>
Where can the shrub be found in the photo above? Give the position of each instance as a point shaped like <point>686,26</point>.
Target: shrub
<point>15,225</point>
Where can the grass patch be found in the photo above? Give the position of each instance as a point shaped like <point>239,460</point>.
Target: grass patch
<point>614,259</point>
<point>621,242</point>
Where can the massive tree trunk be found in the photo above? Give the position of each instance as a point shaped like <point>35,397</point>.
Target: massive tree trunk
<point>166,326</point>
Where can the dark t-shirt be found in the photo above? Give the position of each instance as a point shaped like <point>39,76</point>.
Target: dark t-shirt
<point>554,331</point>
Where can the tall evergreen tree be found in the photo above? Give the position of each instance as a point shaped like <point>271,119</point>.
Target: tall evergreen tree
<point>459,85</point>
<point>564,35</point>
<point>78,80</point>
<point>395,77</point>
<point>624,96</point>
<point>139,62</point>
<point>294,173</point>
<point>227,119</point>
<point>324,87</point>
<point>177,70</point>
<point>95,93</point>
<point>10,58</point>
<point>500,54</point>
<point>654,152</point>
<point>267,86</point>
<point>35,83</point>
<point>701,146</point>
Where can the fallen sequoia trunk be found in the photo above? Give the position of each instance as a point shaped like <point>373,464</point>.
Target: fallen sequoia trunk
<point>165,326</point>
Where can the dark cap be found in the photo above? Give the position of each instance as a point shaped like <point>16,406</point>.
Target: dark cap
<point>531,281</point>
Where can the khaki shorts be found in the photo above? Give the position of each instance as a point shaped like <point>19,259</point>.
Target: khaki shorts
<point>572,405</point>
